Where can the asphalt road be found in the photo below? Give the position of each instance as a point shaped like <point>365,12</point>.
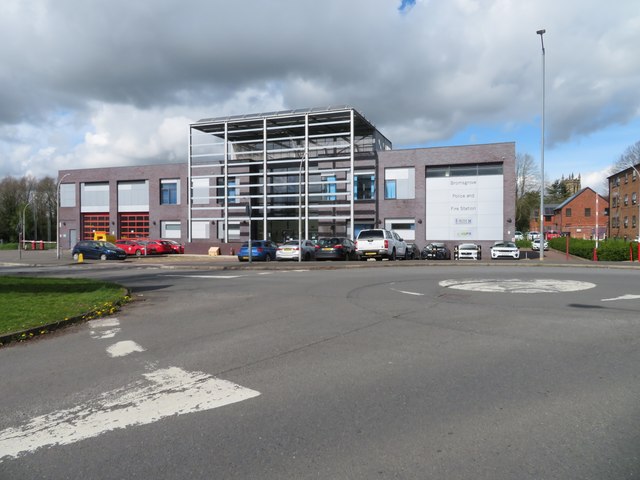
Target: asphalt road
<point>454,372</point>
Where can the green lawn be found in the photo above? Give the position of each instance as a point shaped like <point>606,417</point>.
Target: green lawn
<point>27,302</point>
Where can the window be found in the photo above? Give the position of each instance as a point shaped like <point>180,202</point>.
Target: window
<point>364,186</point>
<point>614,202</point>
<point>400,183</point>
<point>94,197</point>
<point>587,212</point>
<point>634,198</point>
<point>626,199</point>
<point>626,221</point>
<point>133,196</point>
<point>390,189</point>
<point>634,174</point>
<point>200,191</point>
<point>67,195</point>
<point>626,178</point>
<point>199,229</point>
<point>568,212</point>
<point>169,192</point>
<point>617,181</point>
<point>405,227</point>
<point>633,221</point>
<point>329,186</point>
<point>170,229</point>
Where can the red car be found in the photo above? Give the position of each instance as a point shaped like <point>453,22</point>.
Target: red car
<point>132,247</point>
<point>155,247</point>
<point>176,247</point>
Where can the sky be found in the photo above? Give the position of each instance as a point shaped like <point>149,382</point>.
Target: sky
<point>88,84</point>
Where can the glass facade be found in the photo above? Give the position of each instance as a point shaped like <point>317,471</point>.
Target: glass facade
<point>304,173</point>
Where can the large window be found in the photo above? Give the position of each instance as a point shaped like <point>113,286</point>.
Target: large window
<point>587,212</point>
<point>364,186</point>
<point>133,196</point>
<point>67,195</point>
<point>405,227</point>
<point>169,192</point>
<point>170,229</point>
<point>399,183</point>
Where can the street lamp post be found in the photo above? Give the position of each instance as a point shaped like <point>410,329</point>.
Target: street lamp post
<point>58,215</point>
<point>304,156</point>
<point>541,33</point>
<point>21,241</point>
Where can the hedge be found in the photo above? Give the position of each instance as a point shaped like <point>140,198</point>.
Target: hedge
<point>611,249</point>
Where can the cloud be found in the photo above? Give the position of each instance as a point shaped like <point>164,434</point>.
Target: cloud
<point>118,84</point>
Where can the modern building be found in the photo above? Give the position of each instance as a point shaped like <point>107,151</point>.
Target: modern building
<point>297,173</point>
<point>624,201</point>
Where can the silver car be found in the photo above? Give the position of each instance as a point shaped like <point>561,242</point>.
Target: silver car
<point>291,250</point>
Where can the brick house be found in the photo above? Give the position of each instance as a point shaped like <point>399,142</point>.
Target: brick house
<point>624,195</point>
<point>582,215</point>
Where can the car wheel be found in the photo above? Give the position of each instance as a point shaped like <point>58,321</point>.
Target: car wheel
<point>138,253</point>
<point>393,255</point>
<point>76,256</point>
<point>307,257</point>
<point>267,258</point>
<point>103,257</point>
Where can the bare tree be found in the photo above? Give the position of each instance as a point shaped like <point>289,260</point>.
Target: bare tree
<point>527,175</point>
<point>630,158</point>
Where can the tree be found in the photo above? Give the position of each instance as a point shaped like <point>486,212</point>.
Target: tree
<point>527,189</point>
<point>557,192</point>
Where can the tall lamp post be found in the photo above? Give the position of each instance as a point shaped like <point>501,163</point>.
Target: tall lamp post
<point>302,161</point>
<point>58,215</point>
<point>541,33</point>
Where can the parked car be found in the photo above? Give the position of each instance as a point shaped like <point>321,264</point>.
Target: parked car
<point>335,248</point>
<point>261,250</point>
<point>154,247</point>
<point>291,250</point>
<point>176,247</point>
<point>518,236</point>
<point>535,245</point>
<point>97,250</point>
<point>467,250</point>
<point>551,234</point>
<point>533,235</point>
<point>413,252</point>
<point>436,251</point>
<point>131,247</point>
<point>379,243</point>
<point>505,250</point>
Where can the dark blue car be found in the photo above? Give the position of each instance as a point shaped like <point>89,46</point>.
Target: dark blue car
<point>98,250</point>
<point>261,250</point>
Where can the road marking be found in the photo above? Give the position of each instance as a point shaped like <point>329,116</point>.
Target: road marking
<point>207,276</point>
<point>163,393</point>
<point>408,293</point>
<point>124,348</point>
<point>104,328</point>
<point>515,285</point>
<point>623,297</point>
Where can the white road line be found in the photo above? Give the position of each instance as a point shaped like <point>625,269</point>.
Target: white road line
<point>623,297</point>
<point>162,393</point>
<point>104,328</point>
<point>124,348</point>
<point>104,323</point>
<point>207,276</point>
<point>408,293</point>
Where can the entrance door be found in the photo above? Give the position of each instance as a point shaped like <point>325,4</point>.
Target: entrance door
<point>73,238</point>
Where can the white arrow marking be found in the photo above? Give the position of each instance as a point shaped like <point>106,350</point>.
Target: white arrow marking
<point>623,297</point>
<point>163,393</point>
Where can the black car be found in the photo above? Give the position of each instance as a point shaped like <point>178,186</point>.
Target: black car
<point>98,250</point>
<point>413,251</point>
<point>335,248</point>
<point>436,251</point>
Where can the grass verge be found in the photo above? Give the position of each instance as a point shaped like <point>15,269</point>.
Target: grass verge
<point>29,306</point>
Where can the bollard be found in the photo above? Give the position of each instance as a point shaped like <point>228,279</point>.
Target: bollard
<point>33,245</point>
<point>80,258</point>
<point>41,244</point>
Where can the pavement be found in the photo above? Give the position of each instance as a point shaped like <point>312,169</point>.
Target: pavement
<point>39,258</point>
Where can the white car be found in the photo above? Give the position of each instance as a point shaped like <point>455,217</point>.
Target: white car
<point>518,236</point>
<point>535,245</point>
<point>467,250</point>
<point>533,235</point>
<point>379,243</point>
<point>291,250</point>
<point>505,250</point>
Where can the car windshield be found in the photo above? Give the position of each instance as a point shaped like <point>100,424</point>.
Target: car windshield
<point>468,246</point>
<point>108,245</point>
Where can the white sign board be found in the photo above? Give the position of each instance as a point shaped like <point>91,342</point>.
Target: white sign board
<point>464,208</point>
